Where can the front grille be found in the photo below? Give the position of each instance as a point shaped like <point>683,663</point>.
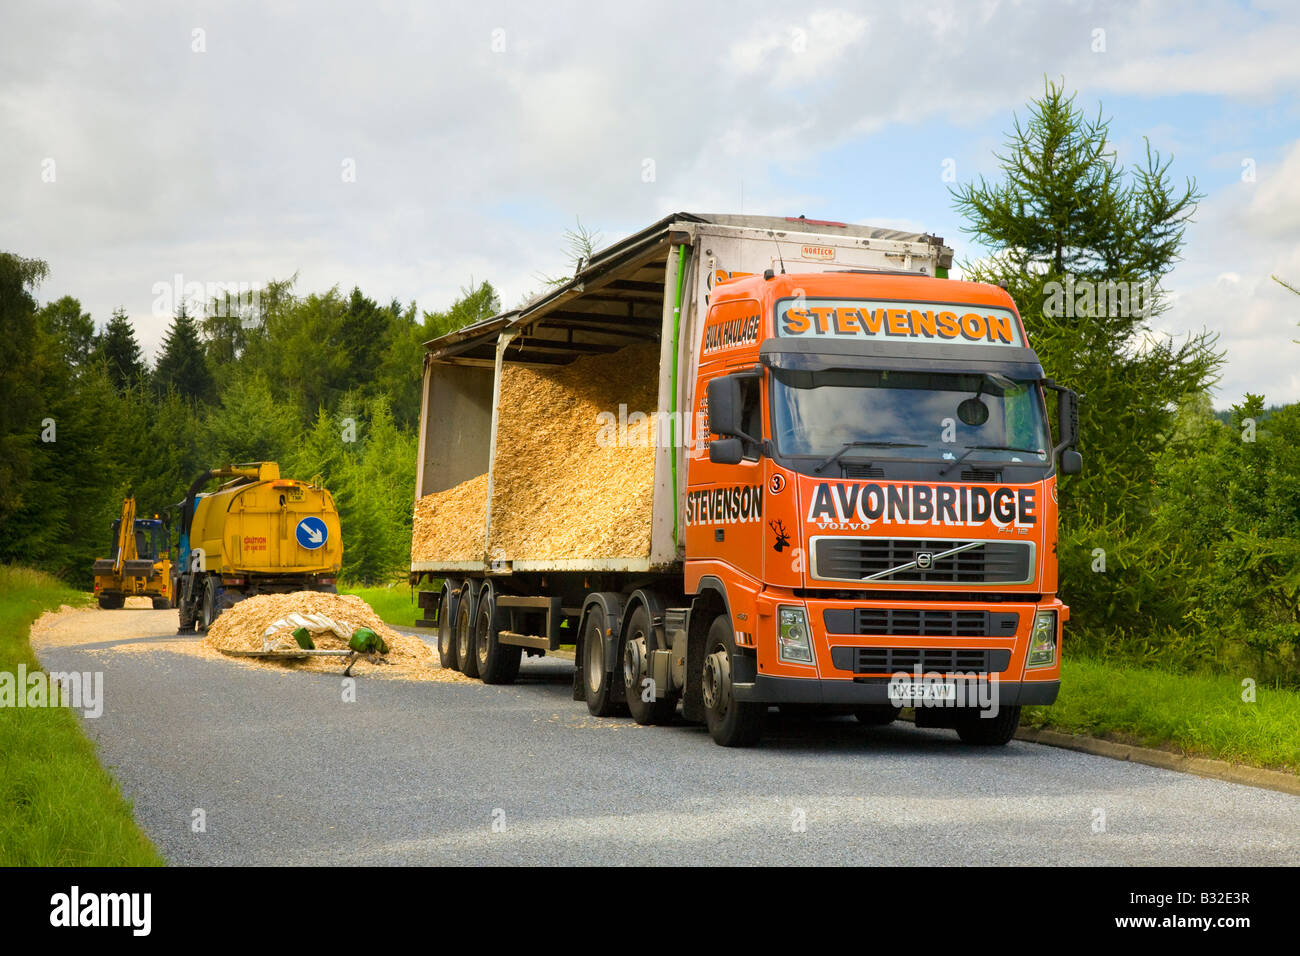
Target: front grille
<point>919,622</point>
<point>941,660</point>
<point>858,559</point>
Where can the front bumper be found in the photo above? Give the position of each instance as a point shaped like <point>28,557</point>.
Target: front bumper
<point>768,689</point>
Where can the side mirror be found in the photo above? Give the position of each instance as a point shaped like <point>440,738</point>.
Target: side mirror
<point>1067,418</point>
<point>724,406</point>
<point>1071,462</point>
<point>726,451</point>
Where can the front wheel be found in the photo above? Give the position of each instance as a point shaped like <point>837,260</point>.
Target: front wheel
<point>974,728</point>
<point>732,723</point>
<point>210,610</point>
<point>161,604</point>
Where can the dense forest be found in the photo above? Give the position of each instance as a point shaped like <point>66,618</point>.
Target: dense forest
<point>326,384</point>
<point>1180,542</point>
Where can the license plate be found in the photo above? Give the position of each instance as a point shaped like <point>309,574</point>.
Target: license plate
<point>910,691</point>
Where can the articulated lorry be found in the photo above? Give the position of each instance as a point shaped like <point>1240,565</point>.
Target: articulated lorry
<point>819,474</point>
<point>256,533</point>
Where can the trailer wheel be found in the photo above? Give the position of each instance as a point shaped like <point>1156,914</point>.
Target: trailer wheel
<point>497,663</point>
<point>879,716</point>
<point>981,731</point>
<point>209,611</point>
<point>600,686</point>
<point>732,723</point>
<point>465,634</point>
<point>636,671</point>
<point>447,629</point>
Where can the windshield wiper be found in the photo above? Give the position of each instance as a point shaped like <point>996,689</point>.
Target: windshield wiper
<point>867,444</point>
<point>970,448</point>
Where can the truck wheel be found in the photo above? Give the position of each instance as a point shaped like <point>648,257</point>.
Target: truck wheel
<point>879,716</point>
<point>209,610</point>
<point>465,634</point>
<point>161,604</point>
<point>497,663</point>
<point>988,731</point>
<point>636,671</point>
<point>112,602</point>
<point>447,629</point>
<point>600,687</point>
<point>732,723</point>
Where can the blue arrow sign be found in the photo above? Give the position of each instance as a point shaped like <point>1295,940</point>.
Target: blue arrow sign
<point>312,533</point>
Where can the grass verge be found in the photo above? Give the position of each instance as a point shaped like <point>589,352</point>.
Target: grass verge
<point>394,603</point>
<point>1199,715</point>
<point>58,806</point>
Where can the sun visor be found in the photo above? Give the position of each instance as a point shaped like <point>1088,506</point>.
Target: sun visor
<point>820,354</point>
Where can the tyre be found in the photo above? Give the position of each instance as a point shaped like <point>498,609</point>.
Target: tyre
<point>636,671</point>
<point>465,655</point>
<point>601,697</point>
<point>497,663</point>
<point>186,608</point>
<point>447,628</point>
<point>988,731</point>
<point>161,604</point>
<point>112,602</point>
<point>732,723</point>
<point>878,716</point>
<point>208,610</point>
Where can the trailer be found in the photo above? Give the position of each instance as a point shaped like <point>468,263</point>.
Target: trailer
<point>688,600</point>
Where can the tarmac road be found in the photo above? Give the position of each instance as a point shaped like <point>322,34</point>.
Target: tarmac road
<point>281,770</point>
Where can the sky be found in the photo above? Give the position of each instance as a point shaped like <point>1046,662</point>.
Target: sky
<point>412,149</point>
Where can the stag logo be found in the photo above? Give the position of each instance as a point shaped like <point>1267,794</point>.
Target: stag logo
<point>782,536</point>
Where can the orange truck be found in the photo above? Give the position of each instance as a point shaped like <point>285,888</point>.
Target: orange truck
<point>856,511</point>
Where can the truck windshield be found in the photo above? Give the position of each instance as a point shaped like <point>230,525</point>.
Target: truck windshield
<point>824,414</point>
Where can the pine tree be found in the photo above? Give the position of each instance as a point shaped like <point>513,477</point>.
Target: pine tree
<point>183,365</point>
<point>72,329</point>
<point>1066,219</point>
<point>120,351</point>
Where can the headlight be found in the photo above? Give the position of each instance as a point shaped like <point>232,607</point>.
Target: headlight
<point>792,639</point>
<point>1042,644</point>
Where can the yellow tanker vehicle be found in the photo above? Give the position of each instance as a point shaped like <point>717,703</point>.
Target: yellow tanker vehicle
<point>257,533</point>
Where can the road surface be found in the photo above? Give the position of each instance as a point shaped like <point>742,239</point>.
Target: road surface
<point>278,768</point>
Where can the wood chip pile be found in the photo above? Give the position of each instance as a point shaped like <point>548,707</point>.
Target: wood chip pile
<point>241,628</point>
<point>558,492</point>
<point>450,525</point>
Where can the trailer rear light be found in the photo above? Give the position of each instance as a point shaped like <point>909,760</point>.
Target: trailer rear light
<point>231,582</point>
<point>794,645</point>
<point>1042,644</point>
